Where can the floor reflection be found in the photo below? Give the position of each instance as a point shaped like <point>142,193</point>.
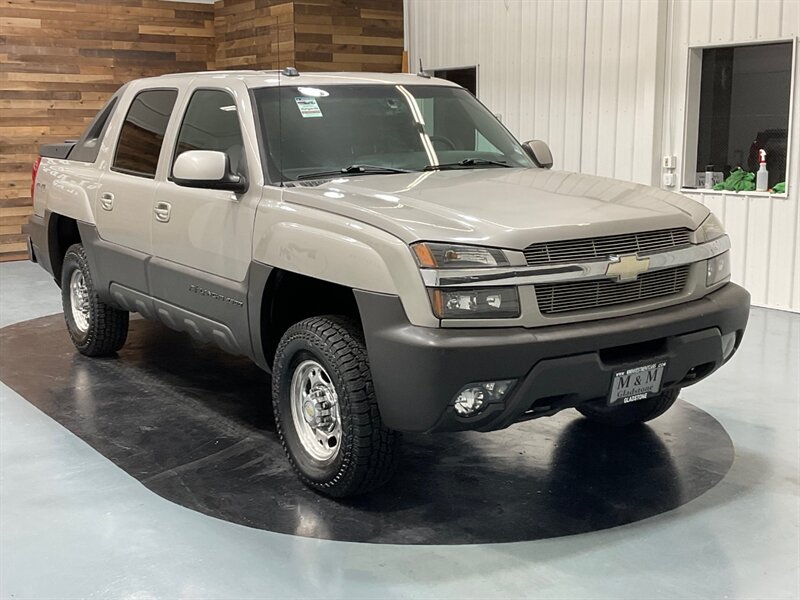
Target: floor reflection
<point>193,425</point>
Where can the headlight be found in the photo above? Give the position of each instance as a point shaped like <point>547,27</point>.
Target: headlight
<point>718,269</point>
<point>477,303</point>
<point>455,256</point>
<point>710,229</point>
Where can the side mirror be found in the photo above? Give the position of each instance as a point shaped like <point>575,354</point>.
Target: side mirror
<point>540,153</point>
<point>207,169</point>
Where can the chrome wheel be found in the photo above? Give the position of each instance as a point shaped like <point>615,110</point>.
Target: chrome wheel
<point>315,410</point>
<point>79,300</point>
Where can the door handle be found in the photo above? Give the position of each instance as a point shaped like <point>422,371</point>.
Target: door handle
<point>107,200</point>
<point>162,210</point>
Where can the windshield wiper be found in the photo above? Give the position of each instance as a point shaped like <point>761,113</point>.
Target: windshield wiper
<point>354,170</point>
<point>467,162</point>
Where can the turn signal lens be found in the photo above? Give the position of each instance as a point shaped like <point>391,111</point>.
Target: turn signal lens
<point>718,269</point>
<point>424,256</point>
<point>477,303</point>
<point>454,256</point>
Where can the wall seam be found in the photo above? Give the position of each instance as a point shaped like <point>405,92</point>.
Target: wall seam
<point>583,85</point>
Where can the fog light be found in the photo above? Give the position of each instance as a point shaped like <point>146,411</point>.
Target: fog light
<point>728,344</point>
<point>476,396</point>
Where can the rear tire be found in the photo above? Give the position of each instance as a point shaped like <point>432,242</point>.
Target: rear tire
<point>96,329</point>
<point>630,414</point>
<point>325,409</point>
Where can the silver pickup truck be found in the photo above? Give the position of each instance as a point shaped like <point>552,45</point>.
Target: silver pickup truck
<point>388,251</point>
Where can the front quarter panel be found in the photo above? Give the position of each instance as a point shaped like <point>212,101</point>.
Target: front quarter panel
<point>340,250</point>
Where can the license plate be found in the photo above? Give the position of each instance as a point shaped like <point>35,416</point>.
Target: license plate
<point>636,383</point>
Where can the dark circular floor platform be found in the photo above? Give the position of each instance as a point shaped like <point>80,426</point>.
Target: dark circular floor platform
<point>194,425</point>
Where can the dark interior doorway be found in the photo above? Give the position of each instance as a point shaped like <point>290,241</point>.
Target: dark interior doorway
<point>466,77</point>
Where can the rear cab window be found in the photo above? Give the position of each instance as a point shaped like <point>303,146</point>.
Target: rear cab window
<point>88,145</point>
<point>142,134</point>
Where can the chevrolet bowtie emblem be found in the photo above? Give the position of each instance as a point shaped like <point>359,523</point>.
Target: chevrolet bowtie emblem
<point>626,267</point>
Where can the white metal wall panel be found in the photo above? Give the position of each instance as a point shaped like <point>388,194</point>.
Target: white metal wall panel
<point>530,57</point>
<point>765,231</point>
<point>604,83</point>
<point>577,74</point>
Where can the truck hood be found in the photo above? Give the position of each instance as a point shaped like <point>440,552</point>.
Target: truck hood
<point>505,208</point>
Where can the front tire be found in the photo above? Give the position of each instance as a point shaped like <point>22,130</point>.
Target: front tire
<point>630,414</point>
<point>96,329</point>
<point>325,409</point>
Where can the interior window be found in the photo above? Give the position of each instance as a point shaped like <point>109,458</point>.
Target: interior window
<point>744,108</point>
<point>212,123</point>
<point>143,131</point>
<point>88,146</point>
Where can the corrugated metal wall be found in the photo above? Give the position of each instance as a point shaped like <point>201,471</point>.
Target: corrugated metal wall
<point>765,231</point>
<point>575,73</point>
<point>604,83</point>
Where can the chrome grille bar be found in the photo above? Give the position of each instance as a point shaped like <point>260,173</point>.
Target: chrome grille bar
<point>568,271</point>
<point>599,248</point>
<point>582,295</point>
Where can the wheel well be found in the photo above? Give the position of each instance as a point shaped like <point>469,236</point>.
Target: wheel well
<point>290,298</point>
<point>62,233</point>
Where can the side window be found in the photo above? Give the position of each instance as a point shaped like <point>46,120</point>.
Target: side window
<point>143,133</point>
<point>211,123</point>
<point>88,146</point>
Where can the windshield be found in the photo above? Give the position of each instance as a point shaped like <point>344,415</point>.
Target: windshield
<point>319,130</point>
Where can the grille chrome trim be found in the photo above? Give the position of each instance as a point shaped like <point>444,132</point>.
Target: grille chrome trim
<point>555,298</point>
<point>595,269</point>
<point>598,248</point>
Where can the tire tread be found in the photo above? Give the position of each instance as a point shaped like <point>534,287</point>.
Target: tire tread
<point>372,456</point>
<point>108,326</point>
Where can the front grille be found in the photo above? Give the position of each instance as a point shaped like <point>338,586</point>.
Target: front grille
<point>582,295</point>
<point>600,248</point>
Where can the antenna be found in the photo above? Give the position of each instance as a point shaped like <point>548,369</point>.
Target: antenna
<point>421,72</point>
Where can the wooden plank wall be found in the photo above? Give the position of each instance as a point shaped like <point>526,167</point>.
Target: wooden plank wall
<point>345,35</point>
<point>254,34</point>
<point>61,59</point>
<point>312,35</point>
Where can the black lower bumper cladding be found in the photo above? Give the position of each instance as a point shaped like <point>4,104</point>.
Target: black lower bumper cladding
<point>417,371</point>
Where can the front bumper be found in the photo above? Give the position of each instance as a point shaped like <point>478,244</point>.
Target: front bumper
<point>417,371</point>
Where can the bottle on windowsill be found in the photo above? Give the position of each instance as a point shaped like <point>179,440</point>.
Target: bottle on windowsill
<point>762,177</point>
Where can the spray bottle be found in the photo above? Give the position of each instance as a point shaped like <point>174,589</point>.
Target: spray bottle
<point>762,177</point>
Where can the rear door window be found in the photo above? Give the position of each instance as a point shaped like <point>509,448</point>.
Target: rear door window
<point>142,134</point>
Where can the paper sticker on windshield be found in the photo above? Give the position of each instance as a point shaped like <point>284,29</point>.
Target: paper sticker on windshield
<point>308,107</point>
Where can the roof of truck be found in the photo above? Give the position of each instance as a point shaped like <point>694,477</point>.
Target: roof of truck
<point>256,79</point>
